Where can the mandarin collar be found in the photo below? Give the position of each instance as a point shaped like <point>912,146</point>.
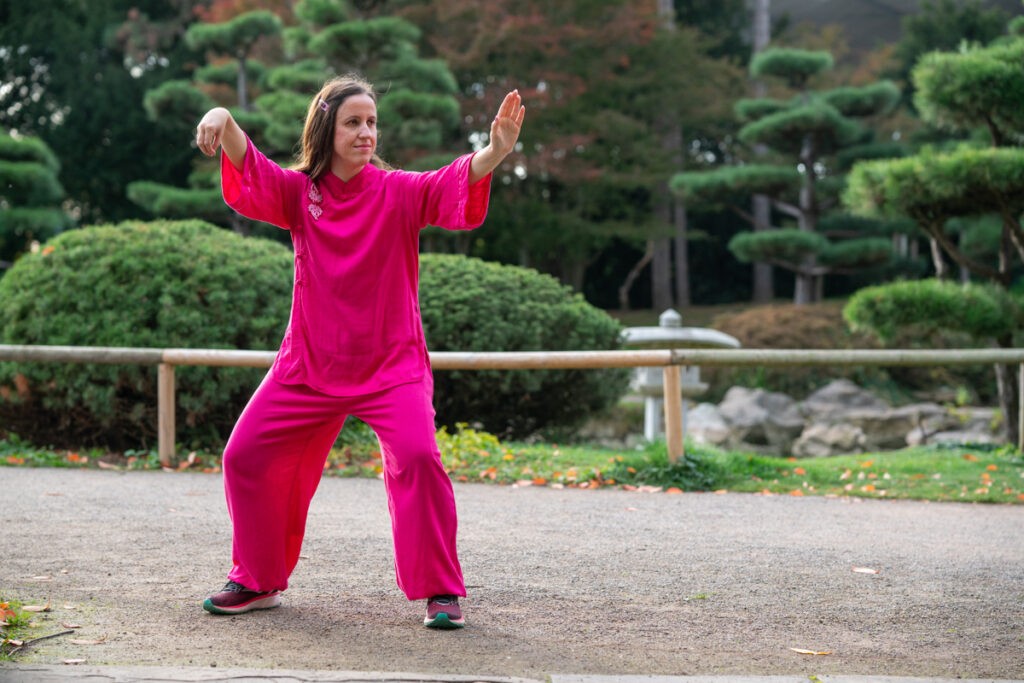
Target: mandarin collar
<point>357,183</point>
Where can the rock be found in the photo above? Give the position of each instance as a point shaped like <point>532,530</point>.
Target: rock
<point>761,418</point>
<point>821,440</point>
<point>959,425</point>
<point>705,425</point>
<point>887,429</point>
<point>964,438</point>
<point>838,398</point>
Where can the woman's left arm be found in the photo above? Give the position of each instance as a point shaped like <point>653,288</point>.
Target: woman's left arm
<point>504,132</point>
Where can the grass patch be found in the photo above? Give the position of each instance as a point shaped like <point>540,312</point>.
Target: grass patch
<point>14,628</point>
<point>938,473</point>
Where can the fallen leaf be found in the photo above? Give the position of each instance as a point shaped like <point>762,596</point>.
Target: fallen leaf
<point>796,492</point>
<point>867,463</point>
<point>799,470</point>
<point>721,492</point>
<point>865,570</point>
<point>106,465</point>
<point>992,468</point>
<point>801,651</point>
<point>674,490</point>
<point>75,661</point>
<point>15,643</point>
<point>67,625</point>
<point>68,605</point>
<point>36,608</point>
<point>970,458</point>
<point>87,641</point>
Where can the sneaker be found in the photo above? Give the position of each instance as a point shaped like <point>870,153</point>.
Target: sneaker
<point>443,611</point>
<point>234,598</point>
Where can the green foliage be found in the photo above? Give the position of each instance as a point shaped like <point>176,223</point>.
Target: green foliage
<point>697,470</point>
<point>790,246</point>
<point>752,110</point>
<point>29,149</point>
<point>792,65</point>
<point>161,284</point>
<point>981,87</point>
<point>786,130</point>
<point>234,36</point>
<point>985,312</point>
<point>728,183</point>
<point>307,75</point>
<point>323,12</point>
<point>472,305</point>
<point>381,38</point>
<point>227,73</point>
<point>29,195</point>
<point>856,254</point>
<point>931,188</point>
<point>845,158</point>
<point>944,25</point>
<point>177,101</point>
<point>874,99</point>
<point>178,202</point>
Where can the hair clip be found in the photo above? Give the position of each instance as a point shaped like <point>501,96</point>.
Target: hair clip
<point>324,106</point>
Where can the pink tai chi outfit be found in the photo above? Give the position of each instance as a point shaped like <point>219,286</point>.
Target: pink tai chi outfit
<point>354,346</point>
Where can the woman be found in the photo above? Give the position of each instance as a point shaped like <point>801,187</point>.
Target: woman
<point>354,343</point>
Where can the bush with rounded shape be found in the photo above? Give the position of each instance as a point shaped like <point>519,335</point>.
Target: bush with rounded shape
<point>161,284</point>
<point>473,305</point>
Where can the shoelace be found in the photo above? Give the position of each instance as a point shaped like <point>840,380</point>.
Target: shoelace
<point>444,599</point>
<point>234,587</point>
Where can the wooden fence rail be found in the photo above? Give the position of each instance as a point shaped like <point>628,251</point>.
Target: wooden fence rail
<point>668,359</point>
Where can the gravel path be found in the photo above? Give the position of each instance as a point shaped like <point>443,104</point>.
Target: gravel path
<point>561,581</point>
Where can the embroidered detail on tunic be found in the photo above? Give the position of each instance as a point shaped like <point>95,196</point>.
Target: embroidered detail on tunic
<point>314,196</point>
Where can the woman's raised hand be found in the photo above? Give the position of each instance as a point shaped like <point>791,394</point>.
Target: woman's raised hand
<point>506,125</point>
<point>210,131</point>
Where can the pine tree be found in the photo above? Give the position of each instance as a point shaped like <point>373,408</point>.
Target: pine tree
<point>968,200</point>
<point>813,136</point>
<point>30,196</point>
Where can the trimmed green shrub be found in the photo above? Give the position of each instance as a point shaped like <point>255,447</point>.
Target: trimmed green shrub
<point>161,284</point>
<point>472,305</point>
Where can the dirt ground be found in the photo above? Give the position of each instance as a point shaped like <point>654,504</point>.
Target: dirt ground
<point>560,581</point>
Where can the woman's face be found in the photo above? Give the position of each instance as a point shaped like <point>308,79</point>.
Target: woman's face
<point>355,135</point>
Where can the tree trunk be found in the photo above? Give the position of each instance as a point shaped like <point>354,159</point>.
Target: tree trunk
<point>941,269</point>
<point>806,289</point>
<point>242,86</point>
<point>763,285</point>
<point>634,273</point>
<point>682,253</point>
<point>764,274</point>
<point>671,135</point>
<point>661,275</point>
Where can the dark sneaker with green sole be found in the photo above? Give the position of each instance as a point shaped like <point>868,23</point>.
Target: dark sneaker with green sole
<point>234,598</point>
<point>443,611</point>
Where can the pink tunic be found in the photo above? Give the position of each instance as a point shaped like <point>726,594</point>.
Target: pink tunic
<point>355,323</point>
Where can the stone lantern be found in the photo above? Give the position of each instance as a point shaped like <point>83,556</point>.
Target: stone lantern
<point>649,382</point>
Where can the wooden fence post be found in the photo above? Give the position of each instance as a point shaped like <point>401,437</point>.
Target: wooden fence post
<point>673,413</point>
<point>1020,409</point>
<point>165,414</point>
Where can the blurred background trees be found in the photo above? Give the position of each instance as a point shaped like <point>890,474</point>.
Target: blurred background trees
<point>623,96</point>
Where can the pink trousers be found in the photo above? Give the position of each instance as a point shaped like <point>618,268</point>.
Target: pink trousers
<point>275,458</point>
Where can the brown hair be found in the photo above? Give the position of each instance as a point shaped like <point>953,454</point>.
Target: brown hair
<point>317,146</point>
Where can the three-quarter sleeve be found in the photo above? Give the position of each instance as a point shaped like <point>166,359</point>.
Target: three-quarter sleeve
<point>446,198</point>
<point>261,190</point>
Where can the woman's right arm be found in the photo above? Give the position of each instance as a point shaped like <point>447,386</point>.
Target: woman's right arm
<point>218,127</point>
